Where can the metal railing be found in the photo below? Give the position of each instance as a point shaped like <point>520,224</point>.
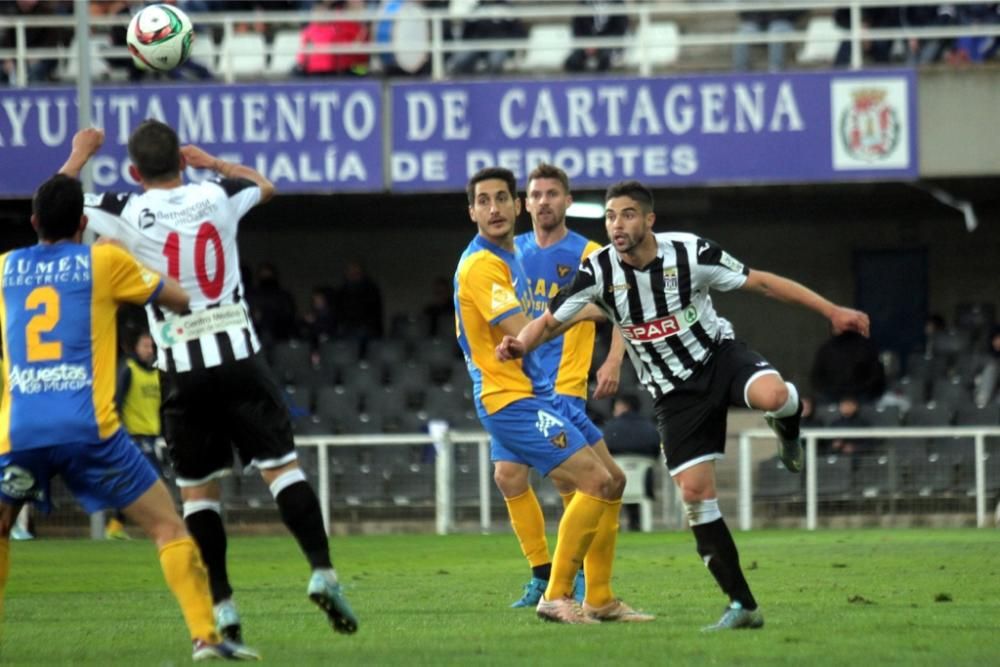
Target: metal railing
<point>642,16</point>
<point>978,434</point>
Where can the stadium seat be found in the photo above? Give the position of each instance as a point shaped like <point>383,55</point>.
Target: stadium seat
<point>387,352</point>
<point>312,425</point>
<point>338,404</point>
<point>99,68</point>
<point>361,423</point>
<point>436,352</point>
<point>951,391</point>
<point>930,414</point>
<point>972,415</point>
<point>883,416</point>
<point>291,360</point>
<point>245,54</point>
<point>636,468</point>
<point>411,484</point>
<point>823,38</point>
<point>204,51</point>
<point>284,48</point>
<point>388,404</point>
<point>300,399</point>
<point>834,476</point>
<point>339,353</point>
<point>466,489</point>
<point>548,47</point>
<point>876,476</point>
<point>362,377</point>
<point>950,343</point>
<point>661,47</point>
<point>926,474</point>
<point>774,481</point>
<point>359,485</point>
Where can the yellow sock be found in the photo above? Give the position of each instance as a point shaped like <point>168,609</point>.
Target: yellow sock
<point>4,571</point>
<point>601,557</point>
<point>567,498</point>
<point>529,525</point>
<point>188,581</point>
<point>576,533</point>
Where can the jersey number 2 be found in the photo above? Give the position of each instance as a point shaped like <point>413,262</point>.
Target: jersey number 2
<point>207,235</point>
<point>47,299</point>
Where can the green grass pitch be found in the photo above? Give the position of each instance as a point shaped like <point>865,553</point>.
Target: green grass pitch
<point>871,597</point>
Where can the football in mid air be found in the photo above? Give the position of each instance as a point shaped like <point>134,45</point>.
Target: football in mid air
<point>159,38</point>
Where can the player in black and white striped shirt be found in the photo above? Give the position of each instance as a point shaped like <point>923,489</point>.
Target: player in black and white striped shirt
<point>218,392</point>
<point>655,287</point>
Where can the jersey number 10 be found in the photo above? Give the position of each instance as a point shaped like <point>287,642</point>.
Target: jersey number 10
<point>207,235</point>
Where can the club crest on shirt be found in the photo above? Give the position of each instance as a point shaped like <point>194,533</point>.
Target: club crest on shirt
<point>670,279</point>
<point>563,270</point>
<point>502,298</point>
<point>559,440</point>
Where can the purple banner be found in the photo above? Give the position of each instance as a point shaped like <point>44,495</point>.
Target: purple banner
<point>764,128</point>
<point>305,137</point>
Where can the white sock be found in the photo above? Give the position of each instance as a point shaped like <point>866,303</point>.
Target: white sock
<point>790,407</point>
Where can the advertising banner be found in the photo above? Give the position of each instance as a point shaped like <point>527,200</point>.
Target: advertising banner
<point>670,131</point>
<point>305,137</point>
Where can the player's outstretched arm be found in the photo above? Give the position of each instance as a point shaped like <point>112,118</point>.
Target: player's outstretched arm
<point>200,159</point>
<point>780,288</point>
<point>542,329</point>
<point>85,145</point>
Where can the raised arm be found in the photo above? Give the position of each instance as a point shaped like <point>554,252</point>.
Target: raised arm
<point>540,330</point>
<point>200,159</point>
<point>85,145</point>
<point>789,291</point>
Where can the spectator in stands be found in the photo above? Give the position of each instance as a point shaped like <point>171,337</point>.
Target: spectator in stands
<point>358,305</point>
<point>630,433</point>
<point>273,307</point>
<point>848,365</point>
<point>319,34</point>
<point>440,311</point>
<point>319,323</point>
<point>486,27</point>
<point>934,326</point>
<point>40,70</point>
<point>926,51</point>
<point>986,383</point>
<point>966,50</point>
<point>598,21</point>
<point>849,417</point>
<point>878,51</point>
<point>773,23</point>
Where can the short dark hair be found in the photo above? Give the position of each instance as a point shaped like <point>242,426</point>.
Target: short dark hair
<point>546,170</point>
<point>487,174</point>
<point>155,151</point>
<point>634,190</point>
<point>58,207</point>
<point>631,400</point>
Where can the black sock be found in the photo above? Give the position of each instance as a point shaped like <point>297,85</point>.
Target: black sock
<point>542,572</point>
<point>301,512</point>
<point>207,530</point>
<point>716,547</point>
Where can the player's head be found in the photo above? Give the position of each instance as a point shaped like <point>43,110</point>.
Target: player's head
<point>57,209</point>
<point>628,215</point>
<point>493,203</point>
<point>547,197</point>
<point>155,152</point>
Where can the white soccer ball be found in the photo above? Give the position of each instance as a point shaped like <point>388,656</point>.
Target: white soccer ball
<point>159,38</point>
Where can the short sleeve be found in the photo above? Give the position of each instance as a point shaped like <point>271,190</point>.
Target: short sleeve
<point>583,290</point>
<point>104,216</point>
<point>491,289</point>
<point>129,280</point>
<point>242,194</point>
<point>590,249</point>
<point>717,268</point>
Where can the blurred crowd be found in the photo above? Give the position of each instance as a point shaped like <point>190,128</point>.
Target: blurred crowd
<point>490,20</point>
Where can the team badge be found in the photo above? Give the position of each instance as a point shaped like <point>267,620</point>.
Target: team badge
<point>502,298</point>
<point>559,440</point>
<point>670,279</point>
<point>563,270</point>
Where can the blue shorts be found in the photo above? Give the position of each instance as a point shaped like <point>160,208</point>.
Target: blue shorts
<point>112,473</point>
<point>535,432</point>
<point>576,408</point>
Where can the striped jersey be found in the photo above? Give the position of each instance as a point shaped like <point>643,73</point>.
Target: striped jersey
<point>189,233</point>
<point>663,310</point>
<point>58,304</point>
<point>566,359</point>
<point>490,285</point>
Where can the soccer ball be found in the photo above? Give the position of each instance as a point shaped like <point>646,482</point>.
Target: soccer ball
<point>159,38</point>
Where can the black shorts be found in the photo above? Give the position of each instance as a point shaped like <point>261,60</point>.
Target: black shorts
<point>207,412</point>
<point>692,418</point>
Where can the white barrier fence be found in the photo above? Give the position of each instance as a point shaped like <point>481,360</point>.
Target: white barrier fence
<point>977,434</point>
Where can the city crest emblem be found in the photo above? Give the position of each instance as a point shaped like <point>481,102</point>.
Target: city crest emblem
<point>870,126</point>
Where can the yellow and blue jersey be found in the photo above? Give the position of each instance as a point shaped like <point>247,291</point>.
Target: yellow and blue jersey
<point>566,359</point>
<point>57,305</point>
<point>490,285</point>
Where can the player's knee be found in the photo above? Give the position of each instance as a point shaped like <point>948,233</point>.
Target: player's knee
<point>597,482</point>
<point>695,492</point>
<point>511,480</point>
<point>617,485</point>
<point>167,529</point>
<point>772,397</point>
